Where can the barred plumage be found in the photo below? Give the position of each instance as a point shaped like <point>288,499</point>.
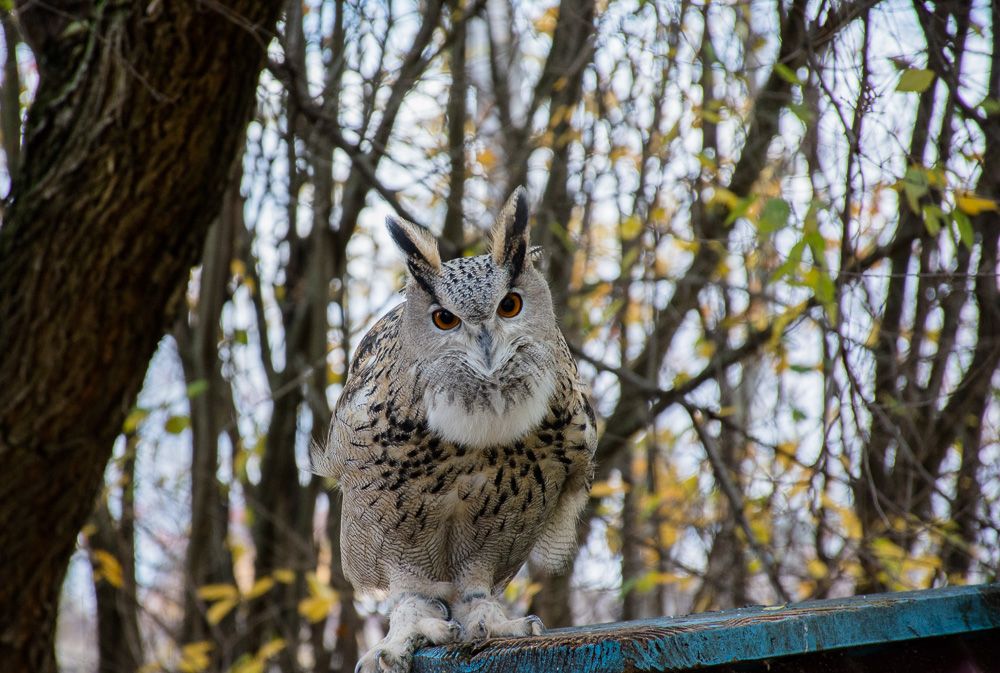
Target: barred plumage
<point>463,442</point>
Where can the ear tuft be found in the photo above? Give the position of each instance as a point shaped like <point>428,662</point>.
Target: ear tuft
<point>417,243</point>
<point>511,234</point>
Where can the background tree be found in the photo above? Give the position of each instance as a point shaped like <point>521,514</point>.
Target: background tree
<point>127,145</point>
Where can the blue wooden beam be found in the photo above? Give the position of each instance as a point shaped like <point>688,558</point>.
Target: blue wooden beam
<point>733,636</point>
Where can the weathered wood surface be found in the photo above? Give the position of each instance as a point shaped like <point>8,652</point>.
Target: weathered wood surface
<point>947,623</point>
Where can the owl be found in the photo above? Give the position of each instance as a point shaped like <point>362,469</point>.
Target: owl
<point>463,443</point>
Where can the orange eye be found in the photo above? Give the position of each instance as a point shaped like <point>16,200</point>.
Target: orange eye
<point>510,305</point>
<point>445,319</point>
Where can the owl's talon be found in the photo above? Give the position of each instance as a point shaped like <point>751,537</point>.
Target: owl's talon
<point>456,630</point>
<point>535,624</point>
<point>393,662</point>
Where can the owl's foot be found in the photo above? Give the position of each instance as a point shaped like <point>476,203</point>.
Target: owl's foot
<point>414,622</point>
<point>483,616</point>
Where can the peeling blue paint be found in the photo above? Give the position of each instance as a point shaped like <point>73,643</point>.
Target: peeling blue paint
<point>745,634</point>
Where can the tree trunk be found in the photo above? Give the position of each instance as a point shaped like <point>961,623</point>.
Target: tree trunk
<point>452,240</point>
<point>119,641</point>
<point>207,558</point>
<point>127,148</point>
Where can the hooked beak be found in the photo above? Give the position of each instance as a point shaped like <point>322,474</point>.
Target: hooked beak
<point>485,342</point>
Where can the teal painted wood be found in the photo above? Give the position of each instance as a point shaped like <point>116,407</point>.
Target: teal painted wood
<point>732,636</point>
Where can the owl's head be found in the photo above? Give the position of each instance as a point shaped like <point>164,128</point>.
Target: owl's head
<point>480,332</point>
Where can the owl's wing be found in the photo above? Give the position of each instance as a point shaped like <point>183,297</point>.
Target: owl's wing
<point>352,429</point>
<point>558,545</point>
<point>345,441</point>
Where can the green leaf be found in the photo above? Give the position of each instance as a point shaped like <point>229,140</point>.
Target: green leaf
<point>964,226</point>
<point>801,110</point>
<point>175,425</point>
<point>774,215</point>
<point>6,5</point>
<point>787,74</point>
<point>990,106</point>
<point>933,219</point>
<point>134,418</point>
<point>915,80</point>
<point>915,184</point>
<point>820,282</point>
<point>196,388</point>
<point>789,266</point>
<point>631,227</point>
<point>739,209</point>
<point>240,337</point>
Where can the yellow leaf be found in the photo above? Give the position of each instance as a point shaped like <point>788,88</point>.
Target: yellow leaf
<point>668,535</point>
<point>315,608</point>
<point>487,158</point>
<point>133,419</point>
<point>271,648</point>
<point>219,610</point>
<point>686,246</point>
<point>546,23</point>
<point>805,589</point>
<point>631,227</point>
<point>873,335</point>
<point>618,152</point>
<point>318,588</point>
<point>970,204</point>
<point>851,524</point>
<point>284,575</point>
<point>218,592</point>
<point>816,569</point>
<point>705,349</point>
<point>238,549</point>
<point>602,489</point>
<point>723,196</point>
<point>194,656</point>
<point>108,568</point>
<point>197,647</point>
<point>260,587</point>
<point>248,664</point>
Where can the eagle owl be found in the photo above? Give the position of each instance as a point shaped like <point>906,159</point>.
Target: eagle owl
<point>463,443</point>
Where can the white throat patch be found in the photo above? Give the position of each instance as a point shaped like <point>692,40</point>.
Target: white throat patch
<point>497,426</point>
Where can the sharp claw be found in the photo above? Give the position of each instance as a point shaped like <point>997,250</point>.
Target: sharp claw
<point>357,668</point>
<point>456,629</point>
<point>481,631</point>
<point>535,625</point>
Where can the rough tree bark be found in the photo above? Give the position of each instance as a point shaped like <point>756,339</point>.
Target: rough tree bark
<point>137,118</point>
